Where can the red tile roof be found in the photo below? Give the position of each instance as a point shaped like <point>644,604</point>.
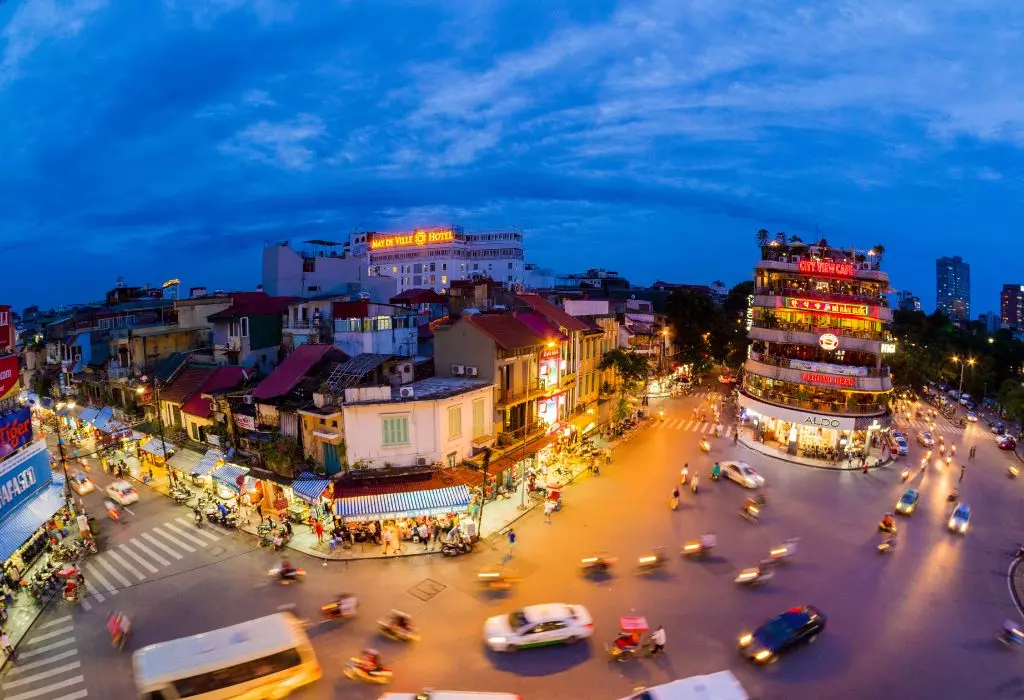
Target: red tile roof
<point>541,326</point>
<point>452,476</point>
<point>419,296</point>
<point>291,371</point>
<point>551,312</point>
<point>505,330</point>
<point>186,384</point>
<point>227,377</point>
<point>252,304</point>
<point>351,309</point>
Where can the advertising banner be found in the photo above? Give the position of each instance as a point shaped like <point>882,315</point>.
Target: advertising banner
<point>826,368</point>
<point>9,374</point>
<point>826,307</point>
<point>22,475</point>
<point>15,430</point>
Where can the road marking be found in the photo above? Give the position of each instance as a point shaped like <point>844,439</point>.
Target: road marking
<point>142,562</point>
<point>149,551</point>
<point>86,605</point>
<point>689,425</point>
<point>113,572</point>
<point>77,695</point>
<point>186,535</point>
<point>50,688</point>
<point>53,623</point>
<point>157,543</point>
<point>190,524</point>
<point>170,538</point>
<point>43,649</point>
<point>124,563</point>
<point>50,635</point>
<point>103,582</point>
<point>21,668</point>
<point>44,674</point>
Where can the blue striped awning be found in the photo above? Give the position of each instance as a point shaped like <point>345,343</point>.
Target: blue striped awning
<point>452,499</point>
<point>310,487</point>
<point>210,461</point>
<point>105,415</point>
<point>88,414</point>
<point>157,447</point>
<point>28,518</point>
<point>228,474</point>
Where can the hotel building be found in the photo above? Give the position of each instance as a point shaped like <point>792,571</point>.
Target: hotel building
<point>433,258</point>
<point>815,376</point>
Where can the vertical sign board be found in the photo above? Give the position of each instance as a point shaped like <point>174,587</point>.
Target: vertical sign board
<point>22,475</point>
<point>15,430</point>
<point>9,375</point>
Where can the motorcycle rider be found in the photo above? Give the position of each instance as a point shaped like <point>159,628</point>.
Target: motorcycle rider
<point>888,522</point>
<point>401,621</point>
<point>684,475</point>
<point>287,571</point>
<point>223,510</point>
<point>693,483</point>
<point>716,471</point>
<point>370,662</point>
<point>1012,632</point>
<point>708,540</point>
<point>627,641</point>
<point>347,604</point>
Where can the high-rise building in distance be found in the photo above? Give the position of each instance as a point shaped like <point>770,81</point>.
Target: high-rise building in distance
<point>906,301</point>
<point>1011,306</point>
<point>953,287</point>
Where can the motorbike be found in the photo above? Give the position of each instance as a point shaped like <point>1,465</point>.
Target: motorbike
<point>1013,471</point>
<point>887,546</point>
<point>953,495</point>
<point>750,513</point>
<point>598,564</point>
<point>697,548</point>
<point>890,528</point>
<point>454,549</point>
<point>494,580</point>
<point>1011,636</point>
<point>399,634</point>
<point>905,474</point>
<point>198,518</point>
<point>650,563</point>
<point>754,576</point>
<point>334,611</point>
<point>705,445</point>
<point>355,671</point>
<point>628,652</point>
<point>783,551</point>
<point>286,578</point>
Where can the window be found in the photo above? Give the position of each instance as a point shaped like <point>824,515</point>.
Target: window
<point>444,279</point>
<point>454,422</point>
<point>238,674</point>
<point>395,430</point>
<point>244,324</point>
<point>452,456</point>
<point>195,431</point>
<point>478,418</point>
<point>510,266</point>
<point>444,267</point>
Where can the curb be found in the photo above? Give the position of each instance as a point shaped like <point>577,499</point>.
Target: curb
<point>825,467</point>
<point>28,628</point>
<point>1011,577</point>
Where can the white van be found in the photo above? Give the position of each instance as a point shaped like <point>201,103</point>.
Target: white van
<point>715,686</point>
<point>264,658</point>
<point>449,695</point>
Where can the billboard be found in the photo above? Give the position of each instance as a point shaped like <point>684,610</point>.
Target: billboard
<point>418,238</point>
<point>15,430</point>
<point>22,476</point>
<point>9,375</point>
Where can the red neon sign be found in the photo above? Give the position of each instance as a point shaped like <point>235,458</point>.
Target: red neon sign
<point>827,268</point>
<point>827,379</point>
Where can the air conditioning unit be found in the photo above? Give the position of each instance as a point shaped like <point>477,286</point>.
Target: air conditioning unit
<point>458,369</point>
<point>472,371</point>
<point>247,399</point>
<point>421,461</point>
<point>406,392</point>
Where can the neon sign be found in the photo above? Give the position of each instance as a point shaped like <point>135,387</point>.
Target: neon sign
<point>827,379</point>
<point>419,237</point>
<point>825,307</point>
<point>828,341</point>
<point>826,267</point>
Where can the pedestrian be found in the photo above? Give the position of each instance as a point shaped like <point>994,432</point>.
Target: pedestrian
<point>288,527</point>
<point>386,537</point>
<point>736,436</point>
<point>511,537</point>
<point>865,468</point>
<point>424,533</point>
<point>658,641</point>
<point>5,644</point>
<point>373,532</point>
<point>549,508</point>
<point>963,469</point>
<point>318,528</point>
<point>259,511</point>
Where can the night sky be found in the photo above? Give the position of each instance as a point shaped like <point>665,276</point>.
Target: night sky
<point>169,139</point>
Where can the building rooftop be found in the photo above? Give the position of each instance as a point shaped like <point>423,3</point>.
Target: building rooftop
<point>226,377</point>
<point>187,383</point>
<point>430,390</point>
<point>290,372</point>
<point>505,330</point>
<point>551,312</point>
<point>419,296</point>
<point>252,304</point>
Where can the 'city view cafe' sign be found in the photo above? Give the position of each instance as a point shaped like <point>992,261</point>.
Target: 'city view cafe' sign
<point>418,237</point>
<point>826,268</point>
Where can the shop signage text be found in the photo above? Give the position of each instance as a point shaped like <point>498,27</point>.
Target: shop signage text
<point>15,430</point>
<point>822,422</point>
<point>826,368</point>
<point>827,379</point>
<point>9,375</point>
<point>828,341</point>
<point>22,475</point>
<point>416,238</point>
<point>826,267</point>
<point>245,422</point>
<point>826,307</point>
<point>810,421</point>
<point>750,312</point>
<point>888,348</point>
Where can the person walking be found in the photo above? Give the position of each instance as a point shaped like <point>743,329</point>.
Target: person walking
<point>386,537</point>
<point>549,508</point>
<point>5,644</point>
<point>436,534</point>
<point>963,469</point>
<point>511,537</point>
<point>318,528</point>
<point>658,641</point>
<point>424,533</point>
<point>736,436</point>
<point>259,511</point>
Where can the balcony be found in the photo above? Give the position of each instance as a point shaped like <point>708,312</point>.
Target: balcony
<point>876,310</point>
<point>780,368</point>
<point>791,263</point>
<point>511,396</point>
<point>297,324</point>
<point>794,334</point>
<point>119,373</point>
<point>840,408</point>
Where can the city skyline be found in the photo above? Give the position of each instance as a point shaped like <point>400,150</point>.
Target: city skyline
<point>178,150</point>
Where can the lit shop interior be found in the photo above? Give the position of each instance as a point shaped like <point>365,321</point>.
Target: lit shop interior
<point>821,399</point>
<point>858,324</point>
<point>818,441</point>
<point>787,283</point>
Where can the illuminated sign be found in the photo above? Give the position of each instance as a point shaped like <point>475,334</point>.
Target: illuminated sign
<point>827,379</point>
<point>888,348</point>
<point>22,475</point>
<point>825,307</point>
<point>9,376</point>
<point>828,341</point>
<point>750,311</point>
<point>826,368</point>
<point>15,430</point>
<point>827,268</point>
<point>419,237</point>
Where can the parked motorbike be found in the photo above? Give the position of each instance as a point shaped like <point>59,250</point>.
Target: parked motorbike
<point>454,549</point>
<point>181,496</point>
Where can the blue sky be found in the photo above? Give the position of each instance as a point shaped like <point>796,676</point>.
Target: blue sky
<point>157,139</point>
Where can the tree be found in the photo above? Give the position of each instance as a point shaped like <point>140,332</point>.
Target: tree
<point>795,239</point>
<point>762,237</point>
<point>780,237</point>
<point>1011,398</point>
<point>879,251</point>
<point>631,367</point>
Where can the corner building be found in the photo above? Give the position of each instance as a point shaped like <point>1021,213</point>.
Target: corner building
<point>815,378</point>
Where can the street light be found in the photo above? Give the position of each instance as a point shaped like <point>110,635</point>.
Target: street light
<point>963,362</point>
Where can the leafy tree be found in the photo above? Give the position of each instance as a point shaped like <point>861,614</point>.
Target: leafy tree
<point>631,367</point>
<point>1011,398</point>
<point>762,237</point>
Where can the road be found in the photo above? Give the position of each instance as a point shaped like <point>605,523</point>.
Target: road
<point>920,622</point>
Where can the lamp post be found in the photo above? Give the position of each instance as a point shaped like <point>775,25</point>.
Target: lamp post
<point>963,362</point>
<point>160,425</point>
<point>63,455</point>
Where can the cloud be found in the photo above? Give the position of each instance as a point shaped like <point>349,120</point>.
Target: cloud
<point>285,144</point>
<point>37,22</point>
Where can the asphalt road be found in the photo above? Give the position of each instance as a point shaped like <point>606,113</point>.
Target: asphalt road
<point>920,622</point>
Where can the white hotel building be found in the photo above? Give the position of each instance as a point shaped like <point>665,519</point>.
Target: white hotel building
<point>432,258</point>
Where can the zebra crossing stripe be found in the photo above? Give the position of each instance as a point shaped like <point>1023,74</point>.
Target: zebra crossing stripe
<point>113,572</point>
<point>43,674</point>
<point>50,688</point>
<point>99,577</point>
<point>21,668</point>
<point>148,551</point>
<point>169,538</point>
<point>54,623</point>
<point>51,635</point>
<point>160,545</point>
<point>86,605</point>
<point>124,563</point>
<point>43,649</point>
<point>142,562</point>
<point>187,535</point>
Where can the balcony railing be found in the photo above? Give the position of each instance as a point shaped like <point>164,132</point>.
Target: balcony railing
<point>787,326</point>
<point>811,404</point>
<point>869,299</point>
<point>119,372</point>
<point>512,395</point>
<point>786,363</point>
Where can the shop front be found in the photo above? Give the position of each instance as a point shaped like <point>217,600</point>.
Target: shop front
<point>551,410</point>
<point>231,481</point>
<point>30,494</point>
<point>813,435</point>
<point>309,494</point>
<point>403,512</point>
<point>153,455</point>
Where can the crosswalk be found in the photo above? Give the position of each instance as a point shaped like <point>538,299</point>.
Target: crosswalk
<point>142,558</point>
<point>47,667</point>
<point>692,425</point>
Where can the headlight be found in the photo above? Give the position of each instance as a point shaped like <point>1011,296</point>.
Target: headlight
<point>746,639</point>
<point>496,640</point>
<point>763,655</point>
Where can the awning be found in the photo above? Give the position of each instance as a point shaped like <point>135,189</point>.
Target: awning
<point>157,447</point>
<point>310,487</point>
<point>88,414</point>
<point>103,418</point>
<point>452,499</point>
<point>228,475</point>
<point>210,461</point>
<point>185,460</point>
<point>28,518</point>
<point>117,428</point>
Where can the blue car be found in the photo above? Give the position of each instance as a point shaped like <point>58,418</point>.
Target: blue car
<point>960,518</point>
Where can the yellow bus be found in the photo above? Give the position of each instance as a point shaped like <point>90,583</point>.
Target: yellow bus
<point>262,659</point>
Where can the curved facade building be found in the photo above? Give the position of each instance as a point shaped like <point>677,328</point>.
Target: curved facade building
<point>815,377</point>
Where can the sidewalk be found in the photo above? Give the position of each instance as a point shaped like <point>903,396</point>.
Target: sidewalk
<point>775,451</point>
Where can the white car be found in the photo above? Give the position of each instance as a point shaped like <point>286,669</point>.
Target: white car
<point>537,626</point>
<point>926,439</point>
<point>902,448</point>
<point>972,417</point>
<point>122,493</point>
<point>742,474</point>
<point>897,435</point>
<point>82,484</point>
